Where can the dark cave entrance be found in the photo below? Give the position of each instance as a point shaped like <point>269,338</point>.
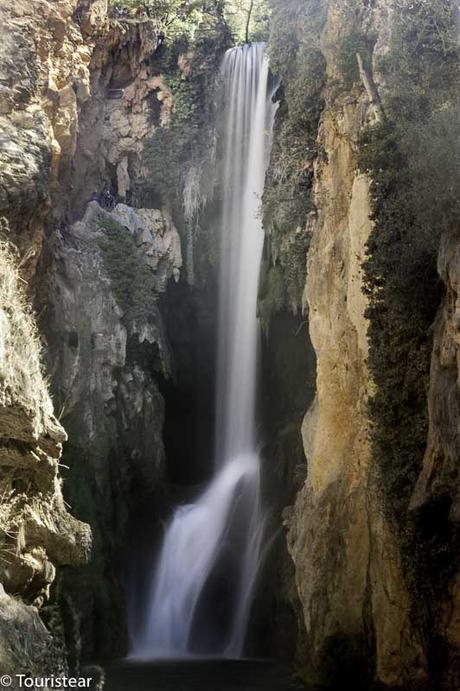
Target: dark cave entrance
<point>190,319</point>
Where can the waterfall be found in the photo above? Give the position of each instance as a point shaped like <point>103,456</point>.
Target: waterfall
<point>212,547</point>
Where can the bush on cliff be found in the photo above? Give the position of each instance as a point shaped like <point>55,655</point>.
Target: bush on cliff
<point>132,279</point>
<point>297,60</point>
<point>413,161</point>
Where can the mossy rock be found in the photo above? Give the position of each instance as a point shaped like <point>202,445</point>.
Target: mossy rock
<point>132,279</point>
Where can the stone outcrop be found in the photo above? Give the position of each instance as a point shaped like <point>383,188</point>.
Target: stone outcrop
<point>109,353</point>
<point>129,98</point>
<point>43,653</point>
<point>37,533</point>
<point>438,482</point>
<point>349,572</point>
<point>44,61</point>
<point>439,475</point>
<point>78,98</point>
<point>348,568</point>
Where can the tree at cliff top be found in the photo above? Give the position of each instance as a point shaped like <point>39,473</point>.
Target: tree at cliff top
<point>248,19</point>
<point>173,17</point>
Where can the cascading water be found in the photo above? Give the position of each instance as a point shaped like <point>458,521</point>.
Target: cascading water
<point>223,529</point>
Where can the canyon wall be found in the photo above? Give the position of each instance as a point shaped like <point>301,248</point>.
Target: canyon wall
<point>368,596</point>
<point>93,235</point>
<point>44,67</point>
<point>108,214</point>
<point>37,532</point>
<point>347,563</point>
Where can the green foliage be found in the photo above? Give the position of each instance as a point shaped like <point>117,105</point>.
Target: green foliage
<point>295,252</point>
<point>357,41</point>
<point>174,17</point>
<point>413,161</point>
<point>173,147</point>
<point>355,36</point>
<point>272,294</point>
<point>296,58</point>
<point>400,279</point>
<point>132,280</point>
<point>248,19</point>
<point>422,63</point>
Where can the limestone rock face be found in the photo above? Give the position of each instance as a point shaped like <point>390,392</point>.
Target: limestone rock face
<point>109,362</point>
<point>348,566</point>
<point>20,622</point>
<point>440,468</point>
<point>438,484</point>
<point>37,533</point>
<point>78,100</point>
<point>128,100</point>
<point>157,240</point>
<point>44,61</point>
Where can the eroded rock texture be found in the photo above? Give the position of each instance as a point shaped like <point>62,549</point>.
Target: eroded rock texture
<point>440,472</point>
<point>109,351</point>
<point>77,101</point>
<point>37,533</point>
<point>45,54</point>
<point>129,99</point>
<point>437,488</point>
<point>350,568</point>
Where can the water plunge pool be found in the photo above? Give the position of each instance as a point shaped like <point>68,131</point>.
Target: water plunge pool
<point>200,675</point>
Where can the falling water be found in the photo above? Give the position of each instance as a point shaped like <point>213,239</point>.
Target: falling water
<point>223,529</point>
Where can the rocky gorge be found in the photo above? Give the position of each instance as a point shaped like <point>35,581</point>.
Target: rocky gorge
<point>109,207</point>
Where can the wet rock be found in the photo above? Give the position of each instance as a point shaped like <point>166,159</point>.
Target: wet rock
<point>110,359</point>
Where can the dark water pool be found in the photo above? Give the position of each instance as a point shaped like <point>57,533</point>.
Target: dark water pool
<point>215,675</point>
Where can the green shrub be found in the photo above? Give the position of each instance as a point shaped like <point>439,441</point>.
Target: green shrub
<point>401,281</point>
<point>173,17</point>
<point>297,60</point>
<point>173,148</point>
<point>413,162</point>
<point>248,19</point>
<point>357,41</point>
<point>132,279</point>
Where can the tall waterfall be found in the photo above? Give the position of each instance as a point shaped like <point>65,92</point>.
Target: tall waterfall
<point>212,547</point>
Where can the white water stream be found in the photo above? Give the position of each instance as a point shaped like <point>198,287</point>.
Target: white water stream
<point>227,518</point>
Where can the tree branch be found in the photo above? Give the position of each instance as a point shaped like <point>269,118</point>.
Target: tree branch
<point>371,90</point>
<point>248,21</point>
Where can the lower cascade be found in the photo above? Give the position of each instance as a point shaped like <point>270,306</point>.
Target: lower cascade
<point>203,582</point>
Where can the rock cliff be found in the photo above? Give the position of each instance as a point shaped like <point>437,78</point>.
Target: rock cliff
<point>44,76</point>
<point>82,94</point>
<point>77,100</point>
<point>110,349</point>
<point>45,56</point>
<point>106,140</point>
<point>37,533</point>
<point>366,592</point>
